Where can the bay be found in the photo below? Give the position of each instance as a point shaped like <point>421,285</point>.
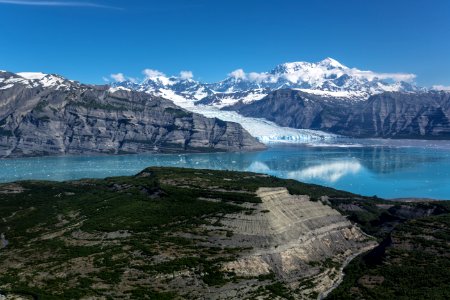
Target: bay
<point>386,168</point>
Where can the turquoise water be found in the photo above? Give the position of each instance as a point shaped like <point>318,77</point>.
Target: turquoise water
<point>382,168</point>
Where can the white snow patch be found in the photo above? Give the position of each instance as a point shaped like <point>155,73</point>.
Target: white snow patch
<point>8,86</point>
<point>356,95</point>
<point>171,95</point>
<point>32,75</point>
<point>16,80</point>
<point>119,88</point>
<point>200,93</point>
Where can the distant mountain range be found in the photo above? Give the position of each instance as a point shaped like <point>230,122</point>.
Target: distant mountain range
<point>48,114</point>
<point>326,96</point>
<point>327,78</point>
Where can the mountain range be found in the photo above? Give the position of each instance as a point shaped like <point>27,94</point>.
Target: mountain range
<point>326,96</point>
<point>327,78</point>
<point>47,114</point>
<point>409,115</point>
<point>42,114</point>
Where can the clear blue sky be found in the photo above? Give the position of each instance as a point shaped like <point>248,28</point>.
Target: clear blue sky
<point>86,40</point>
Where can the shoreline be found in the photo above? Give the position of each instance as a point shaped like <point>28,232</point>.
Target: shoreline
<point>414,199</point>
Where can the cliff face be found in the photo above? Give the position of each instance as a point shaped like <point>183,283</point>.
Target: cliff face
<point>290,235</point>
<point>70,118</point>
<point>390,115</point>
<point>401,115</point>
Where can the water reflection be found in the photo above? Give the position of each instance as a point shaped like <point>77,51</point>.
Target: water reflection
<point>390,160</point>
<point>259,167</point>
<point>330,172</point>
<point>377,169</point>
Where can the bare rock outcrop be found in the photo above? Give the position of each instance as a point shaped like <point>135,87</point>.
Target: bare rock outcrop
<point>303,243</point>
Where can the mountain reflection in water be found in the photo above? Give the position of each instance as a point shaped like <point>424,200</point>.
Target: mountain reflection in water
<point>366,167</point>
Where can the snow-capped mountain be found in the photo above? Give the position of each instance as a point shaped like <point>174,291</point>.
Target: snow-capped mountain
<point>42,114</point>
<point>34,79</point>
<point>327,77</point>
<point>42,100</point>
<point>162,85</point>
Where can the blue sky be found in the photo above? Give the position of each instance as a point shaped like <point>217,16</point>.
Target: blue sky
<point>88,40</point>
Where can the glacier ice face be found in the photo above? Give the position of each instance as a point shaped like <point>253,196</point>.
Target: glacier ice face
<point>265,131</point>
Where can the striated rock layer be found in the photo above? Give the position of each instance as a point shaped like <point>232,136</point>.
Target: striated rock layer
<point>303,243</point>
<point>54,116</point>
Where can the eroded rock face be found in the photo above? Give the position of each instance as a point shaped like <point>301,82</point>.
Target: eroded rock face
<point>295,239</point>
<point>391,114</point>
<point>71,118</point>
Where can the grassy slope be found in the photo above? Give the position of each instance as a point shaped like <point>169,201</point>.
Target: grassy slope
<point>413,259</point>
<point>58,245</point>
<point>60,228</point>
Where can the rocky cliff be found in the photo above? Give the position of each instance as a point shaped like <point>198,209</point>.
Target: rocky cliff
<point>291,236</point>
<point>49,115</point>
<point>387,115</point>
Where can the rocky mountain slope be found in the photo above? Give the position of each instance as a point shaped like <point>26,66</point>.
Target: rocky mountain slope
<point>44,114</point>
<point>387,115</point>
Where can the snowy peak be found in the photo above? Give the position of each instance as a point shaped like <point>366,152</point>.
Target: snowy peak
<point>162,85</point>
<point>160,80</point>
<point>32,75</point>
<point>34,79</point>
<point>331,63</point>
<point>327,77</point>
<point>46,80</point>
<point>300,66</point>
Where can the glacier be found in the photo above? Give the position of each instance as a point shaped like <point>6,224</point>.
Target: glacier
<point>265,131</point>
